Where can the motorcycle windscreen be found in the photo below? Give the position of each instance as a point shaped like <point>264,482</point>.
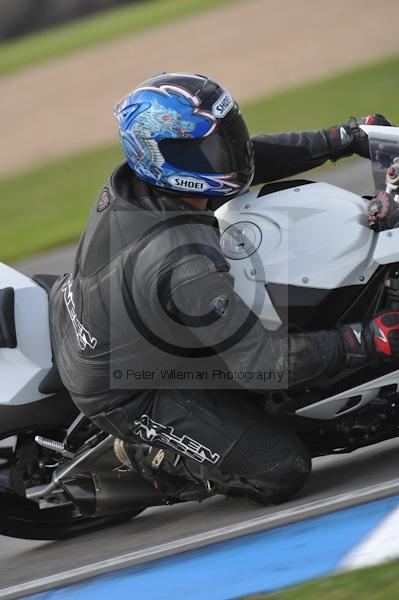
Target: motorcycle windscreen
<point>384,152</point>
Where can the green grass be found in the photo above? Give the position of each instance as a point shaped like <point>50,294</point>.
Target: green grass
<point>49,206</point>
<point>375,583</point>
<point>127,20</point>
<point>370,89</point>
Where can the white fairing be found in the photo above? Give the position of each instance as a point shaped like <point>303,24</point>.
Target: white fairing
<point>23,368</point>
<point>315,235</point>
<point>335,406</point>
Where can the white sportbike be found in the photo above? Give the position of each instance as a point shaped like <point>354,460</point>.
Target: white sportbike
<point>305,255</point>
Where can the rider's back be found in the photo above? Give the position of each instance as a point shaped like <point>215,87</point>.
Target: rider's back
<point>119,279</point>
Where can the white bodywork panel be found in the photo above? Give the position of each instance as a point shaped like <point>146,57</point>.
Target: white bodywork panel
<point>387,247</point>
<point>331,407</point>
<point>23,368</point>
<point>315,235</point>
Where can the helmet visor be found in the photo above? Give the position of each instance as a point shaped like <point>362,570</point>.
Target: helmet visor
<point>224,151</point>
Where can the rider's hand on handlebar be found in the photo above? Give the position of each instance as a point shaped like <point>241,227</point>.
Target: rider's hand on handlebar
<point>348,139</point>
<point>360,138</point>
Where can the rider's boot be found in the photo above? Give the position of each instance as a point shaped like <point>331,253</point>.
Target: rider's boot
<point>161,467</point>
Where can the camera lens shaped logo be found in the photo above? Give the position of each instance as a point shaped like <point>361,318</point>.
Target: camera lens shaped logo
<point>240,240</point>
<point>195,312</point>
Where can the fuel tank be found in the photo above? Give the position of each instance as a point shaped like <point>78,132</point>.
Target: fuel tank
<point>296,238</point>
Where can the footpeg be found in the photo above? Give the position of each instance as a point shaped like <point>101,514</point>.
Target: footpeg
<point>54,446</point>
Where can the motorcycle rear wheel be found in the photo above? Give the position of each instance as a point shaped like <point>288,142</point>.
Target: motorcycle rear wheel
<point>22,518</point>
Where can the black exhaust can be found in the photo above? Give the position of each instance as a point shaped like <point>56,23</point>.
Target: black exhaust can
<point>111,492</point>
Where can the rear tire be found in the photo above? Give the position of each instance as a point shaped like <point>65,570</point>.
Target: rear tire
<point>15,528</point>
<point>22,518</point>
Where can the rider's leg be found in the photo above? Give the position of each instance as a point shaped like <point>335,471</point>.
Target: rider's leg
<point>220,437</point>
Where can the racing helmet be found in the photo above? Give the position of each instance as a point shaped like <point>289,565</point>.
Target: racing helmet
<point>184,133</point>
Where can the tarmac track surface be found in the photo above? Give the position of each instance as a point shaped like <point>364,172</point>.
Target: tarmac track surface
<point>336,482</point>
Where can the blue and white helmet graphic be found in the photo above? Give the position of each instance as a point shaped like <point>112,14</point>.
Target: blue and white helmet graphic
<point>185,133</point>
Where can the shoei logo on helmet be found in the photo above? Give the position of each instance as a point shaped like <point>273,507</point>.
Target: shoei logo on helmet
<point>188,183</point>
<point>223,105</point>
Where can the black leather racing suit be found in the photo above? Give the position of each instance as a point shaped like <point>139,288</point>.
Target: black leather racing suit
<point>126,266</point>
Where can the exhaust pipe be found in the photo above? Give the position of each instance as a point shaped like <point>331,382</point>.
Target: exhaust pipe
<point>111,492</point>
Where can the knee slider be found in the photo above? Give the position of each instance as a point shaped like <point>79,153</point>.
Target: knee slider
<point>289,476</point>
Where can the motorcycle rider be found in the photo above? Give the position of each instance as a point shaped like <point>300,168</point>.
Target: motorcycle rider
<point>187,152</point>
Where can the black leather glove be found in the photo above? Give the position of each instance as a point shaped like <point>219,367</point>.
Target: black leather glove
<point>348,139</point>
<point>379,340</point>
<point>357,345</point>
<point>360,138</point>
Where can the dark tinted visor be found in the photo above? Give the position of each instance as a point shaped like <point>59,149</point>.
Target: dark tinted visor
<point>222,152</point>
<point>206,155</point>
